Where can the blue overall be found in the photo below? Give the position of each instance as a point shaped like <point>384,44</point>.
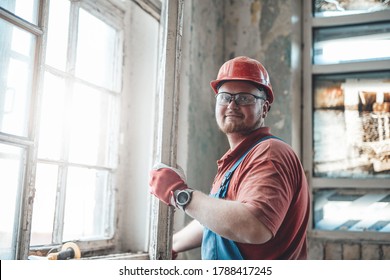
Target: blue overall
<point>214,246</point>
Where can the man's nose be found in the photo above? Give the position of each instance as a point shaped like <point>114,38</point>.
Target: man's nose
<point>232,102</point>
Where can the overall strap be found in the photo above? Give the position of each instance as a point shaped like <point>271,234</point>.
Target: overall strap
<point>229,173</point>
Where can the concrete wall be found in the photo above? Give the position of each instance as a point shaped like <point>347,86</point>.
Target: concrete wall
<point>141,76</point>
<point>267,30</point>
<point>202,55</point>
<point>215,31</point>
<point>200,142</point>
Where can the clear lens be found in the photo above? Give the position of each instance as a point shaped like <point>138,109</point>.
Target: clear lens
<point>224,98</point>
<point>245,99</point>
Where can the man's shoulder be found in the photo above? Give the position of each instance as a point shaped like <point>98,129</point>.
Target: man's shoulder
<point>273,147</point>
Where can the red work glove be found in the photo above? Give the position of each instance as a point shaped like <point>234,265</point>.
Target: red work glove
<point>174,254</point>
<point>164,181</point>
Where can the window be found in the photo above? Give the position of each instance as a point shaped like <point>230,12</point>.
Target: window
<point>78,132</point>
<point>17,68</point>
<point>64,112</point>
<point>347,115</point>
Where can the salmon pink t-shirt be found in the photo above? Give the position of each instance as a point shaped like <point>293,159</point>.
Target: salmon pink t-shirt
<point>271,183</point>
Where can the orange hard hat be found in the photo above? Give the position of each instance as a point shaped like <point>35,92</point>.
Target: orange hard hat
<point>243,68</point>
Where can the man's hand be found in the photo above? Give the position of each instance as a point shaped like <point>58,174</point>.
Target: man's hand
<point>164,181</point>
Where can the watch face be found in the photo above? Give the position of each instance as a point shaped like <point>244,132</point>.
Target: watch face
<point>182,198</point>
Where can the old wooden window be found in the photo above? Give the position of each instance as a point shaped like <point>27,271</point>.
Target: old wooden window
<point>78,127</point>
<point>347,116</point>
<point>19,37</point>
<point>70,75</point>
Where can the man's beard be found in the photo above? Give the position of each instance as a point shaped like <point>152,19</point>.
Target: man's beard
<point>241,128</point>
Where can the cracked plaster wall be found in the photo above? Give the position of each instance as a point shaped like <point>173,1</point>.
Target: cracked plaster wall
<point>217,30</point>
<point>269,31</point>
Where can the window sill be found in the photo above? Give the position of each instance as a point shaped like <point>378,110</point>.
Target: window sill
<point>121,256</point>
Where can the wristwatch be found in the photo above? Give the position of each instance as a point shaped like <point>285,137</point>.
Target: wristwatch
<point>183,198</point>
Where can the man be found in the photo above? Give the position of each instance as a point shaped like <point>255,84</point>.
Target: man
<point>258,207</point>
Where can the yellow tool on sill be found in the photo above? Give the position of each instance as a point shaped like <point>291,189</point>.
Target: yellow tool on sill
<point>68,251</point>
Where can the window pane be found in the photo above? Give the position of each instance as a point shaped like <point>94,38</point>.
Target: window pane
<point>57,38</point>
<point>78,126</point>
<point>52,118</point>
<point>352,126</point>
<point>352,211</point>
<point>44,204</point>
<point>91,126</point>
<point>326,8</point>
<point>88,204</point>
<point>97,51</point>
<point>27,10</point>
<point>351,44</point>
<point>17,49</point>
<point>11,180</point>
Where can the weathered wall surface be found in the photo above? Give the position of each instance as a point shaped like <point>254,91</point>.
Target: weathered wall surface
<point>200,142</point>
<point>267,30</point>
<point>205,142</point>
<point>215,31</point>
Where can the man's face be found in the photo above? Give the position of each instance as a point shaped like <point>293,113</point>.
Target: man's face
<point>242,119</point>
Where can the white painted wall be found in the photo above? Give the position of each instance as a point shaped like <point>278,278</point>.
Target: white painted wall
<point>139,111</point>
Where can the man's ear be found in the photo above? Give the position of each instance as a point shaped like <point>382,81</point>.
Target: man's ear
<point>266,108</point>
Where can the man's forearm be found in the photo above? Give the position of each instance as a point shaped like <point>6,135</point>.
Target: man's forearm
<point>230,219</point>
<point>188,238</point>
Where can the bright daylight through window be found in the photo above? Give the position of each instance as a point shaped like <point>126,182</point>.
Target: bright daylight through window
<point>78,128</point>
<point>17,50</point>
<point>60,92</point>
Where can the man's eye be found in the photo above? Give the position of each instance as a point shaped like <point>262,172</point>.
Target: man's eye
<point>225,97</point>
<point>243,98</point>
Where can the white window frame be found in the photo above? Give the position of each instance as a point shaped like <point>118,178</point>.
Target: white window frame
<point>107,12</point>
<point>166,145</point>
<point>309,70</point>
<point>24,214</point>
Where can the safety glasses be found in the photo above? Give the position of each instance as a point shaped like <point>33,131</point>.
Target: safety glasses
<point>241,98</point>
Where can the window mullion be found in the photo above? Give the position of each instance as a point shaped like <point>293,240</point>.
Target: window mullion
<point>64,165</point>
<point>351,67</point>
<point>33,126</point>
<point>319,183</point>
<point>307,154</point>
<point>162,219</point>
<point>19,22</point>
<point>72,40</point>
<point>60,205</point>
<point>365,18</point>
